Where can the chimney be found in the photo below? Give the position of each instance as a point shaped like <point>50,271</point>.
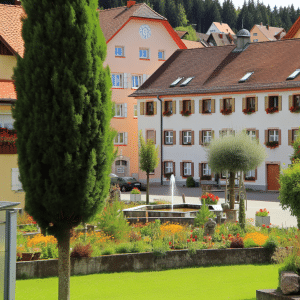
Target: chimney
<point>261,23</point>
<point>268,27</point>
<point>17,2</point>
<point>129,3</point>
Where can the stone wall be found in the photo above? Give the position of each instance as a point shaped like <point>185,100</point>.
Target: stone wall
<point>145,261</point>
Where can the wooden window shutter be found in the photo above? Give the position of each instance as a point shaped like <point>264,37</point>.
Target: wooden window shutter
<point>255,174</point>
<point>125,110</point>
<point>192,169</point>
<point>155,107</point>
<point>213,103</point>
<point>290,101</point>
<point>257,134</point>
<point>200,170</point>
<point>125,81</point>
<point>266,136</point>
<point>232,101</point>
<point>256,103</point>
<point>174,168</point>
<point>193,137</point>
<point>180,106</point>
<point>126,138</point>
<point>221,104</point>
<point>266,102</point>
<point>244,104</point>
<point>174,137</point>
<point>200,137</point>
<point>180,137</point>
<point>174,107</point>
<point>163,106</point>
<point>290,135</point>
<point>142,108</point>
<point>200,106</point>
<point>193,106</point>
<point>280,103</point>
<point>279,136</point>
<point>181,169</point>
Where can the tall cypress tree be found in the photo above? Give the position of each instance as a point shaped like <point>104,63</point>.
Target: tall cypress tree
<point>62,117</point>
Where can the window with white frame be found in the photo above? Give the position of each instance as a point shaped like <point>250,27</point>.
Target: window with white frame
<point>206,171</point>
<point>169,137</point>
<point>161,54</point>
<point>119,51</point>
<point>206,136</point>
<point>117,80</point>
<point>135,112</point>
<point>186,137</point>
<point>16,184</point>
<point>137,81</point>
<point>187,169</point>
<point>252,134</point>
<point>250,175</point>
<point>121,138</point>
<point>273,135</point>
<point>121,110</point>
<point>144,54</point>
<point>168,167</point>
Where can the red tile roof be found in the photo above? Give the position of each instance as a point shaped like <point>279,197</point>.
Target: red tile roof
<point>293,30</point>
<point>11,27</point>
<point>7,90</point>
<point>219,69</point>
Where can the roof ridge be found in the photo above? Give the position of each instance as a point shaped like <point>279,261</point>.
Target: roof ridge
<point>104,10</point>
<point>11,5</point>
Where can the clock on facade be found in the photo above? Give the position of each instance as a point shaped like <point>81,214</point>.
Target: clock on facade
<point>145,31</point>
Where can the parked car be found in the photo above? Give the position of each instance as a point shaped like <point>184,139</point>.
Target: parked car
<point>127,183</point>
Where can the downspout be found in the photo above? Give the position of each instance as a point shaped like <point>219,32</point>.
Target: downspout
<point>161,142</point>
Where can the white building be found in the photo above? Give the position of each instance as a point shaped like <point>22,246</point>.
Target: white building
<point>260,77</point>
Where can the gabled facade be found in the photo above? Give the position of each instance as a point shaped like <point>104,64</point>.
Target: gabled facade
<point>294,32</point>
<point>11,43</point>
<point>261,33</point>
<point>139,40</point>
<point>220,39</point>
<point>211,92</point>
<point>221,27</point>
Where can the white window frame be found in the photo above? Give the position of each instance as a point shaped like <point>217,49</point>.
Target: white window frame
<point>118,81</point>
<point>163,55</point>
<point>187,169</point>
<point>255,34</point>
<point>207,136</point>
<point>139,79</point>
<point>120,110</point>
<point>122,51</point>
<point>250,173</point>
<point>16,184</point>
<point>169,137</point>
<point>168,167</point>
<point>226,132</point>
<point>121,138</point>
<point>142,53</point>
<point>273,135</point>
<point>206,171</point>
<point>135,110</point>
<point>252,134</point>
<point>186,137</point>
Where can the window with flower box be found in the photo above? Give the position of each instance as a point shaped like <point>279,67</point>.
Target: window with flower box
<point>250,105</point>
<point>205,137</point>
<point>227,106</point>
<point>273,104</point>
<point>205,171</point>
<point>169,137</point>
<point>206,106</point>
<point>186,137</point>
<point>187,169</point>
<point>169,169</point>
<point>251,175</point>
<point>148,108</point>
<point>272,138</point>
<point>121,138</point>
<point>186,107</point>
<point>294,103</point>
<point>292,136</point>
<point>168,108</point>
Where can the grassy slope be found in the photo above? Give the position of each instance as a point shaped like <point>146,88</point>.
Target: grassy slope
<point>230,282</point>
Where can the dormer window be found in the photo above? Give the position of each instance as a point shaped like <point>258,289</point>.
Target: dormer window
<point>294,75</point>
<point>246,77</point>
<point>176,81</point>
<point>187,81</point>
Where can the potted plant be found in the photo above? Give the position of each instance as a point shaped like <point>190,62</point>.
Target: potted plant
<point>271,110</point>
<point>262,217</point>
<point>248,111</point>
<point>135,195</point>
<point>294,109</point>
<point>150,113</point>
<point>209,198</point>
<point>167,113</point>
<point>272,145</point>
<point>185,113</point>
<point>226,111</point>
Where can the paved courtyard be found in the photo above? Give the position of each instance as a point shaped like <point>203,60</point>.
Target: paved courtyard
<point>256,200</point>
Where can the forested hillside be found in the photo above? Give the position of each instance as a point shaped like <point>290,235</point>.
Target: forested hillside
<point>203,12</point>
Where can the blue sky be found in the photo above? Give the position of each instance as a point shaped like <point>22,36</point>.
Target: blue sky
<point>272,3</point>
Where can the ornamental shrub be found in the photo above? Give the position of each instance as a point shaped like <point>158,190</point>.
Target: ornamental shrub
<point>203,215</point>
<point>160,248</point>
<point>190,182</point>
<point>237,242</point>
<point>271,244</point>
<point>81,250</point>
<point>249,243</point>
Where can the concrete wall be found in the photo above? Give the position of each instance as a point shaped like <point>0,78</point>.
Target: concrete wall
<point>145,261</point>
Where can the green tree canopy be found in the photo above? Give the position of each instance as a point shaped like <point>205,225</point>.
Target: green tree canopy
<point>191,35</point>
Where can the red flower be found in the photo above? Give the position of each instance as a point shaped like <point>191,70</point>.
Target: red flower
<point>236,221</point>
<point>238,235</point>
<point>296,236</point>
<point>170,243</point>
<point>191,230</point>
<point>268,226</point>
<point>193,240</point>
<point>191,236</point>
<point>188,241</point>
<point>263,225</point>
<point>195,236</point>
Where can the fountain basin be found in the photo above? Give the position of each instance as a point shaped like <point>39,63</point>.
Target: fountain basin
<point>181,213</point>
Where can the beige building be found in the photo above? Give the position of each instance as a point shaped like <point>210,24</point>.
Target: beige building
<point>261,33</point>
<point>221,27</point>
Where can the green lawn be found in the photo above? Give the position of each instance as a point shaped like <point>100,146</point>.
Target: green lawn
<point>203,283</point>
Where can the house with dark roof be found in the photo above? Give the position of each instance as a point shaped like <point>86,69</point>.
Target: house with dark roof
<point>207,93</point>
<point>294,32</point>
<point>220,39</point>
<point>261,33</point>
